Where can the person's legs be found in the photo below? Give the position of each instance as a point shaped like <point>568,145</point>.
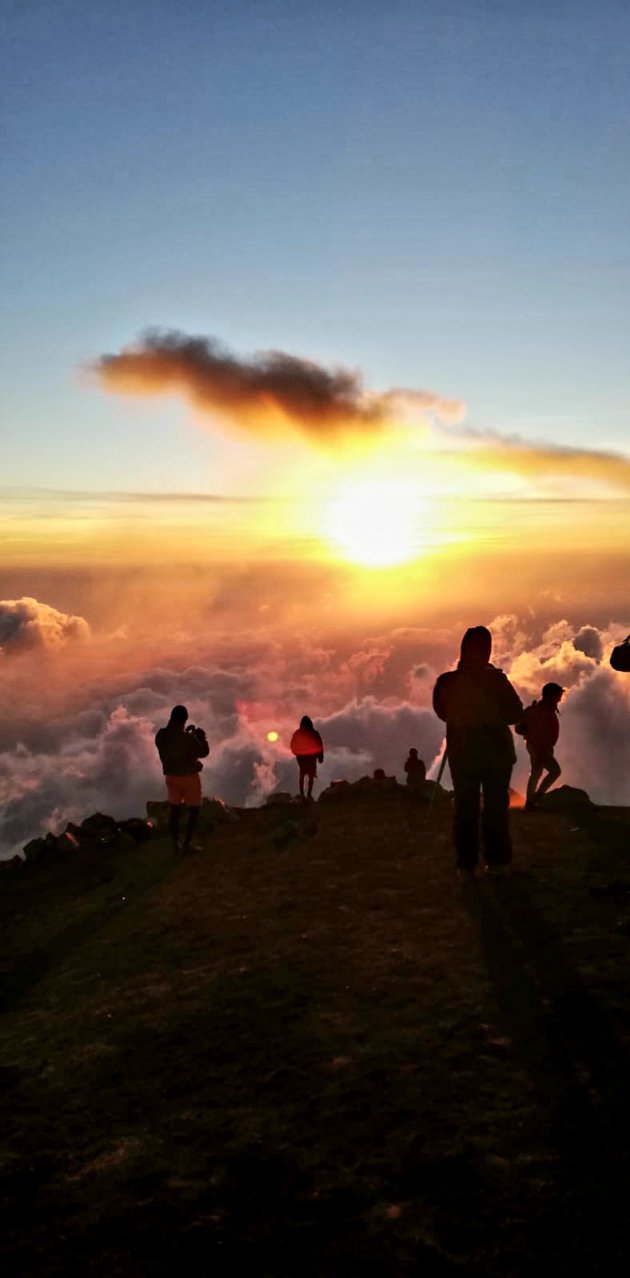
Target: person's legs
<point>192,800</point>
<point>466,820</point>
<point>534,776</point>
<point>495,817</point>
<point>310,785</point>
<point>191,826</point>
<point>173,824</point>
<point>553,772</point>
<point>302,778</point>
<point>532,784</point>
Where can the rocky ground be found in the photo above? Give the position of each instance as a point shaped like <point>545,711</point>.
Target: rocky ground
<point>309,1051</point>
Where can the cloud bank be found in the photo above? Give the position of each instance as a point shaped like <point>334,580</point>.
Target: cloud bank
<point>70,748</point>
<point>27,625</point>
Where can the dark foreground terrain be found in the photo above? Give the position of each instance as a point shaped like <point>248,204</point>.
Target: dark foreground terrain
<point>311,1052</point>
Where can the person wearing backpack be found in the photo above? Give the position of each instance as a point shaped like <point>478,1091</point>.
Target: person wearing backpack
<point>308,748</point>
<point>478,703</point>
<point>540,728</point>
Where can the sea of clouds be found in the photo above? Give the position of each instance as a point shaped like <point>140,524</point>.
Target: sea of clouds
<point>79,717</point>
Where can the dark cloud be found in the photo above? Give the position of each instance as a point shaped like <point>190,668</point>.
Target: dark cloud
<point>273,392</point>
<point>265,394</point>
<point>589,641</point>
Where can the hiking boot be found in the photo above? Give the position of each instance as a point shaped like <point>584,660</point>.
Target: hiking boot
<point>190,847</point>
<point>466,875</point>
<point>496,871</point>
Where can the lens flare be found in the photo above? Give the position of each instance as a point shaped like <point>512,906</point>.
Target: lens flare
<point>272,736</point>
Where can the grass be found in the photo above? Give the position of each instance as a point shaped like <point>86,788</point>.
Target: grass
<point>319,1055</point>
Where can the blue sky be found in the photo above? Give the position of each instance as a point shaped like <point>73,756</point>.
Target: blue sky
<point>437,193</point>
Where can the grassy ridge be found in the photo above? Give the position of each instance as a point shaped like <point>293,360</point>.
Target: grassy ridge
<point>320,1056</point>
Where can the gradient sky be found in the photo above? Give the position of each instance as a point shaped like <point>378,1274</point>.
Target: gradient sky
<point>435,192</point>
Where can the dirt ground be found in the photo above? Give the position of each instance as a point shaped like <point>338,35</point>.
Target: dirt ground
<point>309,1051</point>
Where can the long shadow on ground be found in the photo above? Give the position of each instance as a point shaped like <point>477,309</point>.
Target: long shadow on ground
<point>576,1064</point>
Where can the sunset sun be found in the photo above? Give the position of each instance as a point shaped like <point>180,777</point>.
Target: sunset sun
<point>376,522</point>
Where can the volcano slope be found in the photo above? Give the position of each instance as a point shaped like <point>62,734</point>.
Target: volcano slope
<point>309,1051</point>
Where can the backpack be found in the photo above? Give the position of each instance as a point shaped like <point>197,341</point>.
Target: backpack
<point>620,656</point>
<point>524,726</point>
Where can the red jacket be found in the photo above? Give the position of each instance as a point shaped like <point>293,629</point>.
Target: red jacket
<point>305,744</point>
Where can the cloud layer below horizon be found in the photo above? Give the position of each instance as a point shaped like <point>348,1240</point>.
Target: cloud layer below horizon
<point>72,745</point>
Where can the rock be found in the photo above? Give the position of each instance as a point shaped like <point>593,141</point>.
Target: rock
<point>158,811</point>
<point>11,863</point>
<point>77,832</point>
<point>100,829</point>
<point>212,812</point>
<point>140,830</point>
<point>279,799</point>
<point>126,842</point>
<point>566,796</point>
<point>216,812</point>
<point>336,792</point>
<point>436,794</point>
<point>34,850</point>
<point>67,842</point>
<point>377,784</point>
<point>380,780</point>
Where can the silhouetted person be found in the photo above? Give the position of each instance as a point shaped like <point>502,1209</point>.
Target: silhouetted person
<point>541,729</point>
<point>180,748</point>
<point>308,748</point>
<point>478,703</point>
<point>416,770</point>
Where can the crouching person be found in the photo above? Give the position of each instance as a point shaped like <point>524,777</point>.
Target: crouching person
<point>478,703</point>
<point>180,749</point>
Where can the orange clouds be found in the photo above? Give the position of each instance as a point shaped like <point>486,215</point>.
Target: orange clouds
<point>543,462</point>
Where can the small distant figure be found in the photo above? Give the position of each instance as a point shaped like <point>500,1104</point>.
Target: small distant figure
<point>180,749</point>
<point>478,703</point>
<point>541,729</point>
<point>308,748</point>
<point>416,770</point>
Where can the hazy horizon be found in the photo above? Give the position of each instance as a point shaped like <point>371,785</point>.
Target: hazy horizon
<point>315,354</point>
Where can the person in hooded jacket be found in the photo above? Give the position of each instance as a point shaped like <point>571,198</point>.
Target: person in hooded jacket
<point>308,748</point>
<point>478,703</point>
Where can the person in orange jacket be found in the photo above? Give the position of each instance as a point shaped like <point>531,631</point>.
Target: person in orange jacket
<point>541,730</point>
<point>308,748</point>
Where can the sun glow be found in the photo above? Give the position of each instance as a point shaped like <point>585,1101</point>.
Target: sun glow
<point>377,522</point>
